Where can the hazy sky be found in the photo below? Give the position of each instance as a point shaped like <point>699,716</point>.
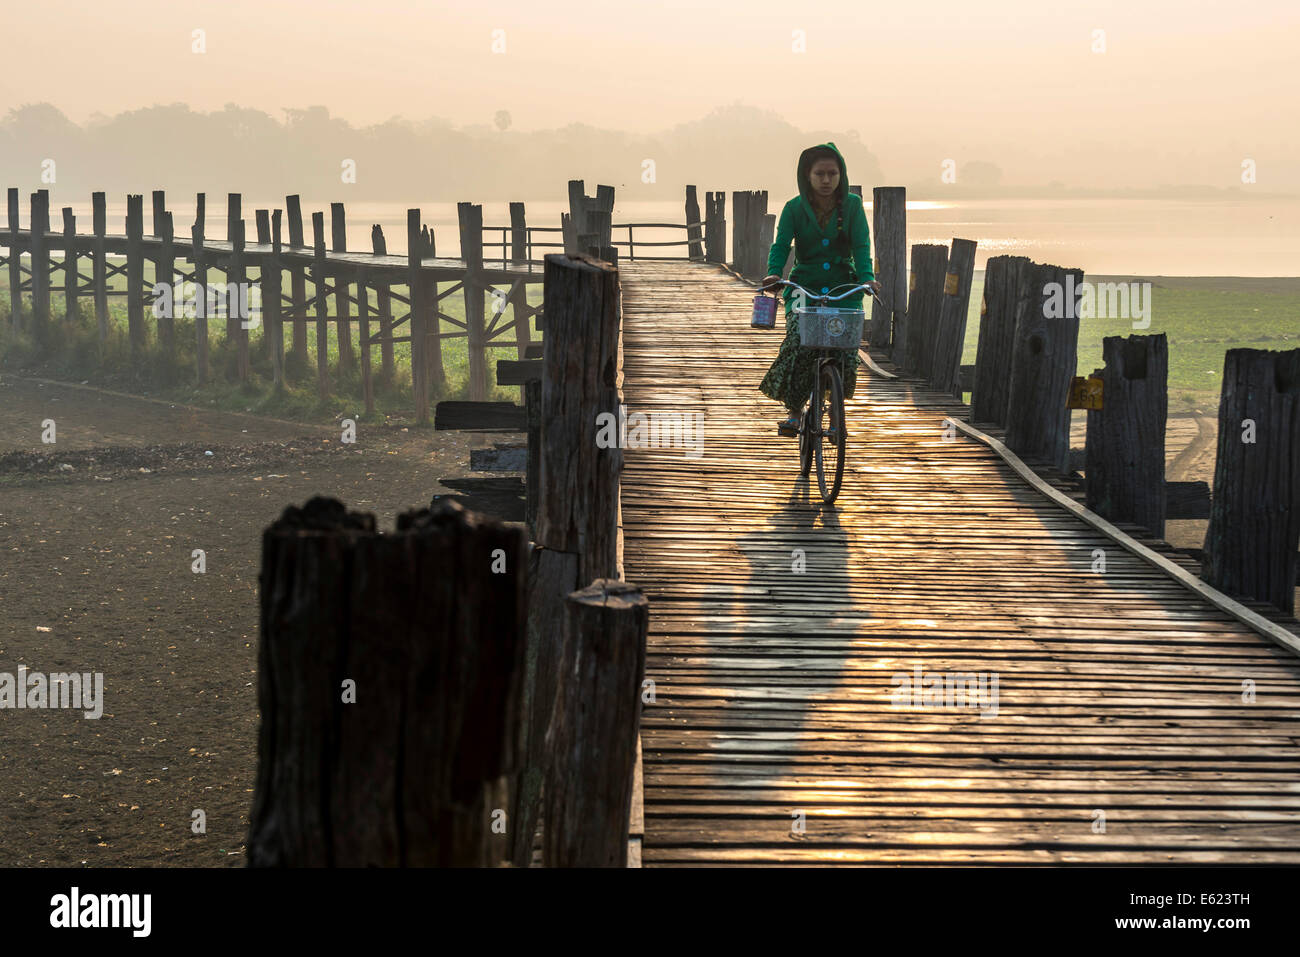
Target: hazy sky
<point>1185,90</point>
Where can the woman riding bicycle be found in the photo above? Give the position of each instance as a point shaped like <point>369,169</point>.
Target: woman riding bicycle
<point>828,226</point>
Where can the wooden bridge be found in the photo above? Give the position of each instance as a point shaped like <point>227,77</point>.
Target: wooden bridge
<point>1135,720</point>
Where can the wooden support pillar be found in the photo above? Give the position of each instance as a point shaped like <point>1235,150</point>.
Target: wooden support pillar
<point>715,227</point>
<point>70,277</point>
<point>1043,361</point>
<point>159,211</point>
<point>888,327</point>
<point>15,261</point>
<point>740,230</point>
<point>99,263</point>
<point>1006,295</point>
<point>318,278</point>
<point>552,577</point>
<point>272,283</point>
<point>1125,455</point>
<point>603,226</point>
<point>419,308</point>
<point>342,320</point>
<point>384,303</point>
<point>406,761</point>
<point>929,266</point>
<point>518,235</point>
<point>1254,529</point>
<point>363,334</point>
<point>470,217</point>
<point>234,225</point>
<point>200,260</point>
<point>40,258</point>
<point>297,282</point>
<point>135,272</point>
<point>694,248</point>
<point>237,298</point>
<point>950,335</point>
<point>165,272</point>
<point>597,719</point>
<point>577,480</point>
<point>577,224</point>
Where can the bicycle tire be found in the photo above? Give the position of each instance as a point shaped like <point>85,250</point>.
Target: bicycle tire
<point>829,410</point>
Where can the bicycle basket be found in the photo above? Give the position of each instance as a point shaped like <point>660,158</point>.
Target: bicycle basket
<point>825,327</point>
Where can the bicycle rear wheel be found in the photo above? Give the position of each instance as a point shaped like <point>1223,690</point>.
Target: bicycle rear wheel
<point>829,417</point>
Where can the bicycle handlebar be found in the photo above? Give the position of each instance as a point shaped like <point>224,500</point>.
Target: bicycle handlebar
<point>822,297</point>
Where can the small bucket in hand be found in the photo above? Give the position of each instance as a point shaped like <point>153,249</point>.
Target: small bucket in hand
<point>764,312</point>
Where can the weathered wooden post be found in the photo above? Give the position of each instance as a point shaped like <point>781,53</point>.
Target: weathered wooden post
<point>159,211</point>
<point>135,272</point>
<point>297,281</point>
<point>1006,292</point>
<point>272,284</point>
<point>319,270</point>
<point>574,495</point>
<point>694,248</point>
<point>1254,529</point>
<point>200,260</point>
<point>363,335</point>
<point>950,333</point>
<point>1125,454</point>
<point>419,307</point>
<point>470,219</point>
<point>602,225</point>
<point>70,274</point>
<point>40,258</point>
<point>739,230</point>
<point>342,320</point>
<point>237,296</point>
<point>518,235</point>
<point>234,222</point>
<point>925,300</point>
<point>888,329</point>
<point>577,224</point>
<point>165,272</point>
<point>766,234</point>
<point>597,717</point>
<point>99,263</point>
<point>390,677</point>
<point>384,306</point>
<point>1044,355</point>
<point>15,261</point>
<point>715,227</point>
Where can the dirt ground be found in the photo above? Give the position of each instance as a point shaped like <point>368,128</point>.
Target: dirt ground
<point>96,537</point>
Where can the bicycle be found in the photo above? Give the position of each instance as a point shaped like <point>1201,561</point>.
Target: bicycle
<point>827,331</point>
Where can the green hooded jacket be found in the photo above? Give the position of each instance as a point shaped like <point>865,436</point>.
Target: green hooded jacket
<point>824,258</point>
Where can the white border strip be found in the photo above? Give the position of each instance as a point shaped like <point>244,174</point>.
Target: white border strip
<point>1258,622</point>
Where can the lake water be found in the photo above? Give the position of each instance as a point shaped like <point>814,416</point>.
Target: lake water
<point>1100,236</point>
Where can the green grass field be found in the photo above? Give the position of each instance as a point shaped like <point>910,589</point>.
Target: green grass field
<point>72,351</point>
<point>1203,318</point>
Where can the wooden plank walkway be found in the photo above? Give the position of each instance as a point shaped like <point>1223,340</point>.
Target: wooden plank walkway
<point>1119,692</point>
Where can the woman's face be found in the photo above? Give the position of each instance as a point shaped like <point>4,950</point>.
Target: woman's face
<point>825,176</point>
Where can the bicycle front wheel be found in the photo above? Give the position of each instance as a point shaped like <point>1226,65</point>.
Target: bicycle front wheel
<point>828,431</point>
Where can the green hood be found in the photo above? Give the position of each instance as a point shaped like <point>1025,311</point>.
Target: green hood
<point>805,167</point>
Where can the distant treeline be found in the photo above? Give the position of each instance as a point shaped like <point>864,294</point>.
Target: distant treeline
<point>304,151</point>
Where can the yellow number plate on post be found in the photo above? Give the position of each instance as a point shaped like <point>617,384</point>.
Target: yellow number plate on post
<point>950,284</point>
<point>1085,393</point>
